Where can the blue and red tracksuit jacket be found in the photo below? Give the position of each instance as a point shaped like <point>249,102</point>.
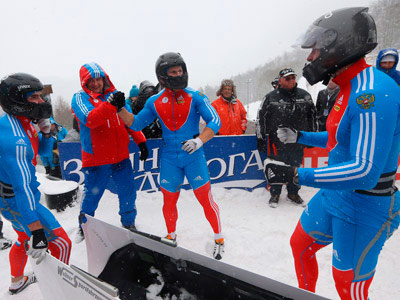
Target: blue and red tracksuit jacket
<point>104,136</point>
<point>179,114</point>
<point>363,132</point>
<point>19,143</point>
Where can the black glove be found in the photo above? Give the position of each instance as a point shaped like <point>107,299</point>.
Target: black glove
<point>37,245</point>
<point>278,174</point>
<point>144,152</point>
<point>261,145</point>
<point>117,99</point>
<point>47,168</point>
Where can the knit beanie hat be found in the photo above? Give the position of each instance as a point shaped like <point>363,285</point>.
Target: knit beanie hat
<point>134,92</point>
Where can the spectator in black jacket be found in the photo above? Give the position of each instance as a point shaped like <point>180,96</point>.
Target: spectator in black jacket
<point>325,101</point>
<point>287,106</point>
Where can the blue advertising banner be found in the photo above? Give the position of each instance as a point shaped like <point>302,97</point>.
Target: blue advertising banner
<point>233,162</point>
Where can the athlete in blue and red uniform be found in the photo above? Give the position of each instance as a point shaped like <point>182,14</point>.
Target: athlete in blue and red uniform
<point>358,206</point>
<point>105,141</point>
<point>20,98</point>
<point>179,109</point>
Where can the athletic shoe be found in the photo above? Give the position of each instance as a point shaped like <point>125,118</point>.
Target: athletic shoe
<point>296,199</point>
<point>5,243</point>
<point>169,237</point>
<point>273,201</point>
<point>219,249</point>
<point>27,280</point>
<point>80,236</point>
<point>169,240</point>
<point>130,227</point>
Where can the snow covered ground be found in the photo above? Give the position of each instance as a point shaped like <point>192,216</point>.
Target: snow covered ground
<point>257,238</point>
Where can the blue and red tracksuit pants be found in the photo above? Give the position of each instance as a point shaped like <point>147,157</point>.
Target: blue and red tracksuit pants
<point>356,225</point>
<point>58,241</point>
<point>96,181</point>
<point>172,175</point>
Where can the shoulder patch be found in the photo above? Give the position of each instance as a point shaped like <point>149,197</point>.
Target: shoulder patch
<point>366,101</point>
<point>201,94</point>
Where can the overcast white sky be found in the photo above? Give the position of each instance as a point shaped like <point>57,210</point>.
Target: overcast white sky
<point>217,38</point>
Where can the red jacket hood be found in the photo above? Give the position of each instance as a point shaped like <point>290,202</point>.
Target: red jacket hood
<point>93,70</point>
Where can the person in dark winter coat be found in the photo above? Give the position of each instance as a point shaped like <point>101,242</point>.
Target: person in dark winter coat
<point>386,61</point>
<point>325,101</point>
<point>146,90</point>
<point>287,106</point>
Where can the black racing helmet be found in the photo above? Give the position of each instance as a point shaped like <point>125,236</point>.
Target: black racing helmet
<point>342,36</point>
<point>14,90</point>
<point>166,61</point>
<point>146,89</point>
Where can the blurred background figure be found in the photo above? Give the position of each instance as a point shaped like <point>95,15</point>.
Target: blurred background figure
<point>73,134</point>
<point>146,90</point>
<point>275,83</point>
<point>47,90</point>
<point>325,101</point>
<point>230,110</point>
<point>133,95</point>
<point>48,149</point>
<point>386,61</point>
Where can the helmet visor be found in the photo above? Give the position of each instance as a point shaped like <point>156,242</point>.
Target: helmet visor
<point>316,37</point>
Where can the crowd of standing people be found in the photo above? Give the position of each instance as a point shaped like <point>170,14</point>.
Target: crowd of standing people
<point>355,118</point>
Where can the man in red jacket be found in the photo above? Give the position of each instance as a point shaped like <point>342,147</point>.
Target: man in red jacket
<point>105,140</point>
<point>230,110</point>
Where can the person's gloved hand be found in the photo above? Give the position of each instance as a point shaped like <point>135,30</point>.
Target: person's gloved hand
<point>44,125</point>
<point>144,152</point>
<point>243,125</point>
<point>192,145</point>
<point>47,168</point>
<point>279,174</point>
<point>261,145</point>
<point>117,99</point>
<point>37,245</point>
<point>287,135</point>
